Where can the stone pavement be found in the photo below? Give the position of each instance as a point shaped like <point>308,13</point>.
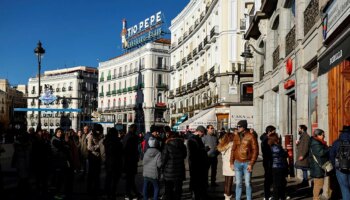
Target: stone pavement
<point>214,192</point>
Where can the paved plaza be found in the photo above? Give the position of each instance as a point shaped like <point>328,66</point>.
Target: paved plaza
<point>214,192</point>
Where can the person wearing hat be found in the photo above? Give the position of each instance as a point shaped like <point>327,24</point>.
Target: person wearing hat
<point>198,162</point>
<point>343,175</point>
<point>244,153</point>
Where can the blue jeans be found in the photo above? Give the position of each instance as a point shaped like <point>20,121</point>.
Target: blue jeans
<point>241,169</point>
<point>344,182</point>
<point>155,184</point>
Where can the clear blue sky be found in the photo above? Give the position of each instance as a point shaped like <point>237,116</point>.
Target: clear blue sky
<point>73,32</point>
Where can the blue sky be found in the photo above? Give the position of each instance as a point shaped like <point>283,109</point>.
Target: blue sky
<point>73,32</point>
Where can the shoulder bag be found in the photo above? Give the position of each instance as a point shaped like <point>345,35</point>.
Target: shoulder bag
<point>327,166</point>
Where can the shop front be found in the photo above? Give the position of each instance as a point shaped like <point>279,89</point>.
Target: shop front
<point>335,61</point>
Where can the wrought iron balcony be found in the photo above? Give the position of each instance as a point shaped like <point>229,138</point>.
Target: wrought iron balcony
<point>194,53</point>
<point>179,41</point>
<point>109,93</point>
<point>189,57</point>
<point>196,106</point>
<point>125,90</point>
<point>178,65</point>
<point>311,15</point>
<point>124,73</point>
<point>188,86</point>
<point>162,86</point>
<point>196,23</point>
<point>120,75</point>
<point>101,94</point>
<point>178,90</point>
<point>119,91</point>
<point>200,48</point>
<point>191,29</point>
<point>183,61</point>
<point>114,76</point>
<point>205,77</point>
<point>214,32</point>
<point>200,80</point>
<point>172,68</point>
<point>114,92</point>
<point>185,34</point>
<point>212,73</point>
<point>194,83</point>
<point>130,89</point>
<point>109,77</point>
<point>171,94</point>
<point>276,57</point>
<point>206,43</point>
<point>102,79</point>
<point>183,89</point>
<point>202,16</point>
<point>290,41</point>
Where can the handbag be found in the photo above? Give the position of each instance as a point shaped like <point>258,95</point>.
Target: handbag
<point>327,166</point>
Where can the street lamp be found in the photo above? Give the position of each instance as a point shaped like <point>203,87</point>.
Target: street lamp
<point>39,52</point>
<point>246,54</point>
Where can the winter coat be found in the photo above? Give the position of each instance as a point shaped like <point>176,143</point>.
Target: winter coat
<point>21,155</point>
<point>211,141</point>
<point>112,154</point>
<point>83,146</point>
<point>344,136</point>
<point>226,155</point>
<point>303,150</point>
<point>151,163</point>
<point>131,153</point>
<point>197,158</point>
<point>321,152</point>
<point>279,157</point>
<point>173,156</point>
<point>60,153</point>
<point>245,148</point>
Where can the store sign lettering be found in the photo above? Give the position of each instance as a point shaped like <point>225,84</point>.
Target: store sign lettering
<point>336,57</point>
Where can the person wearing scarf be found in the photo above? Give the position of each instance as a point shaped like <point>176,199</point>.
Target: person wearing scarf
<point>319,155</point>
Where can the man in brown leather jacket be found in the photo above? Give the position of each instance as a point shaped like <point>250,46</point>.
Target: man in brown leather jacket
<point>244,153</point>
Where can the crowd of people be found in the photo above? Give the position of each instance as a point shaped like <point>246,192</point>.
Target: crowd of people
<point>54,161</point>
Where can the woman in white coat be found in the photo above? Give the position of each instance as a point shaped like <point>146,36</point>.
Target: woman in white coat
<point>225,146</point>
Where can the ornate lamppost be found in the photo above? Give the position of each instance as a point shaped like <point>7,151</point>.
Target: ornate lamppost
<point>39,52</point>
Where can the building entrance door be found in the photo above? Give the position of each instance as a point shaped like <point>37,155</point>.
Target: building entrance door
<point>338,99</point>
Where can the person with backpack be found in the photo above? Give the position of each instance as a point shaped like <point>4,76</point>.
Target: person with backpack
<point>340,158</point>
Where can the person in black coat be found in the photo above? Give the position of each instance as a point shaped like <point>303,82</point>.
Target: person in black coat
<point>198,162</point>
<point>131,158</point>
<point>267,160</point>
<point>173,156</point>
<point>112,153</point>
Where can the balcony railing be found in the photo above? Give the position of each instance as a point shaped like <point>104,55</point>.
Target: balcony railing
<point>109,78</point>
<point>130,89</point>
<point>162,86</point>
<point>200,80</point>
<point>196,23</point>
<point>142,67</point>
<point>194,83</point>
<point>114,92</point>
<point>172,68</point>
<point>200,47</point>
<point>124,73</point>
<point>191,29</point>
<point>120,75</point>
<point>205,41</point>
<point>290,41</point>
<point>185,34</point>
<point>102,79</point>
<point>178,65</point>
<point>212,72</point>
<point>311,15</point>
<point>183,61</point>
<point>179,41</point>
<point>188,86</point>
<point>275,57</point>
<point>189,57</point>
<point>202,16</point>
<point>125,90</point>
<point>101,94</point>
<point>194,52</point>
<point>183,89</point>
<point>196,106</point>
<point>214,31</point>
<point>109,93</point>
<point>178,90</point>
<point>119,91</point>
<point>171,94</point>
<point>114,76</point>
<point>205,77</point>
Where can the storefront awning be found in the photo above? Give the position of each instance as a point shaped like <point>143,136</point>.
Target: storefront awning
<point>335,54</point>
<point>204,118</point>
<point>182,119</point>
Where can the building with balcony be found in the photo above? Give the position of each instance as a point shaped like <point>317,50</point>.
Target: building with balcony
<point>301,73</point>
<point>209,76</point>
<point>75,88</point>
<point>119,81</point>
<point>12,97</point>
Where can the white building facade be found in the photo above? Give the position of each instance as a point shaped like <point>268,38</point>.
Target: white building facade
<point>119,80</point>
<point>208,75</point>
<point>75,88</point>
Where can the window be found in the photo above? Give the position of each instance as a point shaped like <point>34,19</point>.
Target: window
<point>247,92</point>
<point>160,62</point>
<point>159,98</point>
<point>102,88</point>
<point>160,79</point>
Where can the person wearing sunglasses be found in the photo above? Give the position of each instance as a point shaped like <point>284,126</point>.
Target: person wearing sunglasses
<point>244,153</point>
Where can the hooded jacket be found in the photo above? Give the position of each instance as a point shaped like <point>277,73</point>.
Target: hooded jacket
<point>152,163</point>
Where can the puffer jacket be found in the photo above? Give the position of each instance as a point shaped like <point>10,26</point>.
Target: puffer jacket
<point>279,156</point>
<point>152,163</point>
<point>321,153</point>
<point>173,156</point>
<point>245,148</point>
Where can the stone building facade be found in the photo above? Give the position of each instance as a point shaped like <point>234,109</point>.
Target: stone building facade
<point>208,77</point>
<point>119,79</point>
